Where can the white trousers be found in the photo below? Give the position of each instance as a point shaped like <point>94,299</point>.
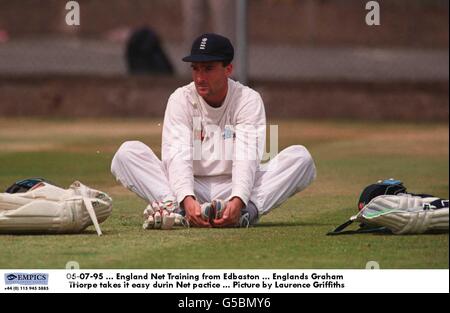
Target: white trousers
<point>139,169</point>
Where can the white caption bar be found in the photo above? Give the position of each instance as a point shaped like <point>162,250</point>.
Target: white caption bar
<point>224,281</point>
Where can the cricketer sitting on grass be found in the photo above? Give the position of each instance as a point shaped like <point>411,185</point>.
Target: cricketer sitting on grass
<point>227,186</point>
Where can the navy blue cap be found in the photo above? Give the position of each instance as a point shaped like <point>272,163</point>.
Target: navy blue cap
<point>210,47</point>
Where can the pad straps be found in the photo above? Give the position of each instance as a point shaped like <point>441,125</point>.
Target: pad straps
<point>90,209</point>
<point>88,204</point>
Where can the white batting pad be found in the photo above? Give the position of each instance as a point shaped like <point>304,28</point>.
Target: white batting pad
<point>50,209</point>
<point>405,214</point>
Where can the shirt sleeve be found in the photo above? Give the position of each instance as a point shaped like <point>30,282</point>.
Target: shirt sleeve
<point>177,146</point>
<point>250,132</point>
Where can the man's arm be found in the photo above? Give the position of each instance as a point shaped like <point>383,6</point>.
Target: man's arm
<point>177,157</point>
<point>249,146</point>
<point>177,147</point>
<point>248,149</point>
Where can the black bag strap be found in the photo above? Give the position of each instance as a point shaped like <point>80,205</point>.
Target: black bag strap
<point>340,228</point>
<point>363,229</point>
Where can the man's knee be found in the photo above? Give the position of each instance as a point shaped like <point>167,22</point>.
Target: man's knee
<point>303,160</point>
<point>301,155</point>
<point>125,153</point>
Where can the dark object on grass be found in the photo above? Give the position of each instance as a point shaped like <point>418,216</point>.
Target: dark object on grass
<point>26,184</point>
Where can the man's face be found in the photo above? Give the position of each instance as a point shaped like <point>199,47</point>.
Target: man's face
<point>211,80</point>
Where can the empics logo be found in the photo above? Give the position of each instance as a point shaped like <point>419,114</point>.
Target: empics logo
<point>11,277</point>
<point>26,279</point>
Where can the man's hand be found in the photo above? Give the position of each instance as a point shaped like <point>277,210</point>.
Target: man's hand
<point>231,213</point>
<point>193,212</point>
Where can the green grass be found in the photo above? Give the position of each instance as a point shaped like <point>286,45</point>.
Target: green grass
<point>348,156</point>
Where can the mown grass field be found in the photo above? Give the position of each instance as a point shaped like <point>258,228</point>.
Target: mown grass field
<point>348,156</point>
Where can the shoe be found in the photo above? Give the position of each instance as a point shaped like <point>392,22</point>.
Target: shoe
<point>244,220</point>
<point>205,210</point>
<point>249,216</point>
<point>213,210</point>
<point>218,206</point>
